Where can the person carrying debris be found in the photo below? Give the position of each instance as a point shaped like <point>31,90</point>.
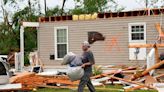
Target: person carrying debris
<point>88,61</point>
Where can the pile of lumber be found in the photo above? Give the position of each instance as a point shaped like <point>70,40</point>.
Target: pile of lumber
<point>134,77</point>
<point>31,80</point>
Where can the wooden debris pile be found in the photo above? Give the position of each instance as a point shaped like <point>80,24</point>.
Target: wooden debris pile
<point>32,80</point>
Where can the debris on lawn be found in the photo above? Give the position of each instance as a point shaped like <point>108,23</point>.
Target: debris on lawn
<point>118,76</point>
<point>131,77</point>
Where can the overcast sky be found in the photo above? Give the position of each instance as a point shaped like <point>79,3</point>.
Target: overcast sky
<point>128,4</point>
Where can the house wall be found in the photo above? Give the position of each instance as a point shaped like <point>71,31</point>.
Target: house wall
<point>113,50</point>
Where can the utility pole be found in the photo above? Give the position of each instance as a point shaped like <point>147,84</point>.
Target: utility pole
<point>63,7</point>
<point>146,3</point>
<point>45,7</point>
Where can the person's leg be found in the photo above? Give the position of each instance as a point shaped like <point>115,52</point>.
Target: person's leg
<point>82,83</point>
<point>90,86</point>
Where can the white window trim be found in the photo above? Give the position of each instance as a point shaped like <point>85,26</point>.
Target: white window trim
<point>55,39</point>
<point>129,29</point>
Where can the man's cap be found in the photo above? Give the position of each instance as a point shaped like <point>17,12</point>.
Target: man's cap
<point>86,43</point>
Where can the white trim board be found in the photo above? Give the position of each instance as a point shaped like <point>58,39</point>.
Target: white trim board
<point>11,86</point>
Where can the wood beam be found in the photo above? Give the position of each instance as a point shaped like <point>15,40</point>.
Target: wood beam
<point>30,24</point>
<point>133,82</point>
<point>153,67</point>
<point>133,88</point>
<point>158,76</point>
<point>149,69</point>
<point>156,54</point>
<point>145,45</point>
<point>159,29</point>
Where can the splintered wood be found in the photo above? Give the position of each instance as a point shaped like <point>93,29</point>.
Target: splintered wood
<point>32,81</point>
<point>149,69</point>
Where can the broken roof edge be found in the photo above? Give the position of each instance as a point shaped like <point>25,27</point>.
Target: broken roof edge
<point>143,12</point>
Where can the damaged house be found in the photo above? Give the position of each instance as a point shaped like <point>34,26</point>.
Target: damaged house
<point>109,34</point>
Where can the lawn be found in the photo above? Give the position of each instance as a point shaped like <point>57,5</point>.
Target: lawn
<point>116,88</point>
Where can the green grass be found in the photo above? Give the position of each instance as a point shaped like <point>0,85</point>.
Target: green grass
<point>111,88</point>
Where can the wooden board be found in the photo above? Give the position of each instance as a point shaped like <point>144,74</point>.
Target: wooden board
<point>132,82</point>
<point>20,75</point>
<point>149,69</point>
<point>145,45</point>
<point>11,86</point>
<point>149,80</point>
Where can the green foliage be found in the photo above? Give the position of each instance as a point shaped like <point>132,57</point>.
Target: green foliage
<point>77,11</point>
<point>97,70</point>
<point>8,39</point>
<point>54,11</point>
<point>10,31</point>
<point>26,59</point>
<point>30,35</point>
<point>107,88</point>
<point>90,6</point>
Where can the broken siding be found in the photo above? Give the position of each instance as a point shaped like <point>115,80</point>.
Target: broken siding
<point>113,50</point>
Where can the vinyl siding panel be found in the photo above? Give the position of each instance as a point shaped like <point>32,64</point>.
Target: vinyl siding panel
<point>105,53</point>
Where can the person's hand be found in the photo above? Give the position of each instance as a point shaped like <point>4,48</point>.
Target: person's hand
<point>83,65</point>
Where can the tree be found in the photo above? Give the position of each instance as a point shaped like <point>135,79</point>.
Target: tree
<point>92,6</point>
<point>56,11</point>
<point>10,27</point>
<point>151,3</point>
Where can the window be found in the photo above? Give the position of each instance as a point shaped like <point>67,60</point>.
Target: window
<point>61,42</point>
<point>137,32</point>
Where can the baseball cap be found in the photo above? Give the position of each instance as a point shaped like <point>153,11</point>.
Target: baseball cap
<point>86,43</point>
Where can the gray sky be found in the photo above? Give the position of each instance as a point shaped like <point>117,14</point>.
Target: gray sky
<point>128,4</point>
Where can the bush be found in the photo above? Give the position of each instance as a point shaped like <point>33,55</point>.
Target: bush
<point>97,70</point>
<point>26,59</point>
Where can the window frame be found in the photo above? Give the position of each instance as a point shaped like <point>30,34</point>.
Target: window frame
<point>56,43</point>
<point>130,31</point>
